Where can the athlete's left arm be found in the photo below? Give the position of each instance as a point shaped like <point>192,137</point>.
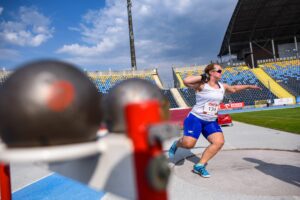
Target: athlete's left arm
<point>237,88</point>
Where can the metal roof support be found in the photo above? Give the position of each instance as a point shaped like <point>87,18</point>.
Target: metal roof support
<point>263,48</point>
<point>131,36</point>
<point>258,20</point>
<point>230,58</point>
<point>251,51</point>
<point>296,47</point>
<point>273,49</point>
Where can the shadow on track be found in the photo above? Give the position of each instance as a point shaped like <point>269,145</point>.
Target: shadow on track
<point>286,173</point>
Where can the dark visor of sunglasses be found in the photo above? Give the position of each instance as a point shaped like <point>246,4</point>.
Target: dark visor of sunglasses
<point>219,71</point>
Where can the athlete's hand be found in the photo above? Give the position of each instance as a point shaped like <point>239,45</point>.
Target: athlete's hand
<point>204,77</point>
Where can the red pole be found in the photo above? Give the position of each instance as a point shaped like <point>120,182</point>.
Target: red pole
<point>5,185</point>
<point>139,116</point>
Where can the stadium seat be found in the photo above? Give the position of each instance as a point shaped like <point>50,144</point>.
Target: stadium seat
<point>285,73</point>
<point>105,82</point>
<point>170,97</point>
<point>241,75</point>
<point>188,95</point>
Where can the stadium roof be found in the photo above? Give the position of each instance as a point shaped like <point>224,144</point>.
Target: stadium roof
<point>260,21</point>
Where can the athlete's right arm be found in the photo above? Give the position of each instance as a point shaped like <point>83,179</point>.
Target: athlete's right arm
<point>192,82</point>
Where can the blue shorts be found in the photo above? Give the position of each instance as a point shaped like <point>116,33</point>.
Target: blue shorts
<point>193,126</point>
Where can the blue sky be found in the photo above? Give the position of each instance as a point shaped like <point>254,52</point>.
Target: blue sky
<point>93,34</point>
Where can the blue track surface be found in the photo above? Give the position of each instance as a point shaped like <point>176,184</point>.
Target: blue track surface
<point>57,187</point>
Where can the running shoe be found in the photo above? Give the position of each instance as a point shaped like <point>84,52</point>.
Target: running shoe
<point>201,170</point>
<point>173,150</point>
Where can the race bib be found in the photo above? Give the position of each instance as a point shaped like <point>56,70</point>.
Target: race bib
<point>211,108</point>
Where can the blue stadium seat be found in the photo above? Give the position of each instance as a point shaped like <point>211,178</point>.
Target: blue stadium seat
<point>286,74</point>
<point>244,76</point>
<point>105,82</point>
<point>188,95</point>
<point>170,97</point>
<point>232,76</point>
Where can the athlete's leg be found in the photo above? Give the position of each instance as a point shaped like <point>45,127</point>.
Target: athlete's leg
<point>192,129</point>
<point>216,143</point>
<point>187,142</point>
<point>191,132</point>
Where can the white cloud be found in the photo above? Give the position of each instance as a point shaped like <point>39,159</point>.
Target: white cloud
<point>29,28</point>
<point>1,10</point>
<point>167,32</point>
<point>80,50</point>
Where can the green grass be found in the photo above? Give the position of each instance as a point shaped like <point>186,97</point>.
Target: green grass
<point>281,119</point>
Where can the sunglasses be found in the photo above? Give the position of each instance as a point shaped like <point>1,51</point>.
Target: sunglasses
<point>219,71</point>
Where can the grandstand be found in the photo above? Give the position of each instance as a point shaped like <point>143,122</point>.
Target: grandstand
<point>244,76</point>
<point>233,76</point>
<point>170,97</point>
<point>285,73</point>
<point>104,81</point>
<point>261,33</point>
<point>188,95</point>
<point>180,73</point>
<point>262,29</point>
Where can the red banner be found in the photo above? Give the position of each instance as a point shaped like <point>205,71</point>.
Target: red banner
<point>229,106</point>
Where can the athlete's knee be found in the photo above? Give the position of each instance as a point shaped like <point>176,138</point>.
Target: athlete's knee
<point>188,144</point>
<point>218,143</point>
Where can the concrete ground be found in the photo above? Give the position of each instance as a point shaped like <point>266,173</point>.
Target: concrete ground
<point>255,163</point>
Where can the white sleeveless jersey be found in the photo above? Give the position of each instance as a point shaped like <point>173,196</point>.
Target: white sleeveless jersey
<point>207,102</point>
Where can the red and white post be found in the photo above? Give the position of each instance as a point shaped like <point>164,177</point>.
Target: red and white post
<point>5,184</point>
<point>139,117</point>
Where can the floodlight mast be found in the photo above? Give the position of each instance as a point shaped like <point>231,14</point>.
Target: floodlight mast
<point>131,36</point>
